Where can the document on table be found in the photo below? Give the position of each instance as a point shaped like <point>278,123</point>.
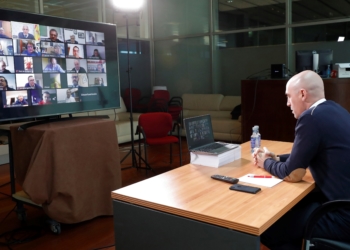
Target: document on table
<point>267,182</point>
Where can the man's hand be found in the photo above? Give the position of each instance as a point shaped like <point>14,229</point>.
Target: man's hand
<point>259,156</point>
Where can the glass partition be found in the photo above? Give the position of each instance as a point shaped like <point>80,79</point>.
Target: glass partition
<point>314,10</point>
<point>183,65</point>
<point>180,17</point>
<point>234,15</point>
<point>87,10</point>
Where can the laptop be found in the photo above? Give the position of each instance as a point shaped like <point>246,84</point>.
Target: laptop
<point>200,137</point>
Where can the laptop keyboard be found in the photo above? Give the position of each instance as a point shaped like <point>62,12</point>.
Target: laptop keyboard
<point>210,147</point>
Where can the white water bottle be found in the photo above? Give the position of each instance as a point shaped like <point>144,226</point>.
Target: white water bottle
<point>253,139</point>
<point>258,139</point>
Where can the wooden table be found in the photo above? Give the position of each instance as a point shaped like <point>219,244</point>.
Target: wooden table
<point>186,209</point>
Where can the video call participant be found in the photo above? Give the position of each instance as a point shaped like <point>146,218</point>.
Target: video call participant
<point>57,50</point>
<point>31,83</point>
<point>30,49</point>
<point>72,40</point>
<point>75,81</point>
<point>322,144</point>
<point>2,33</point>
<point>96,54</point>
<point>46,99</point>
<point>53,36</point>
<point>25,34</point>
<point>99,82</point>
<point>4,84</point>
<point>69,97</point>
<point>76,52</point>
<point>52,66</point>
<point>100,68</point>
<point>2,52</point>
<point>21,101</point>
<point>3,68</point>
<point>77,68</point>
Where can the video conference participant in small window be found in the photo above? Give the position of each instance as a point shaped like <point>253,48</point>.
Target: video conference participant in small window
<point>75,51</point>
<point>3,68</point>
<point>97,80</point>
<point>29,49</point>
<point>51,49</point>
<point>66,95</point>
<point>51,65</point>
<point>15,98</point>
<point>95,52</point>
<point>6,47</point>
<point>29,81</point>
<point>48,96</point>
<point>25,33</point>
<point>95,38</point>
<point>96,66</point>
<point>7,64</point>
<point>74,36</point>
<point>2,53</point>
<point>2,33</point>
<point>46,99</point>
<point>77,80</point>
<point>25,64</point>
<point>76,65</point>
<point>7,84</point>
<point>55,34</point>
<point>25,30</point>
<point>52,81</point>
<point>21,101</point>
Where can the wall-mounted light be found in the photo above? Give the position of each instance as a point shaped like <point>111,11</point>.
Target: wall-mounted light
<point>341,39</point>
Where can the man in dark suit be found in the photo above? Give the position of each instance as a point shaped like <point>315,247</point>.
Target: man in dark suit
<point>77,68</point>
<point>3,68</point>
<point>31,83</point>
<point>25,34</point>
<point>72,40</point>
<point>322,144</point>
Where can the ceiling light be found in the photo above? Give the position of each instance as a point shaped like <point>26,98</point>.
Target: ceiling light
<point>341,39</point>
<point>128,5</point>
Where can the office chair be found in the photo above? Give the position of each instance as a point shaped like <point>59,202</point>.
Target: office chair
<point>137,103</point>
<point>174,104</point>
<point>322,243</point>
<point>175,109</point>
<point>156,129</point>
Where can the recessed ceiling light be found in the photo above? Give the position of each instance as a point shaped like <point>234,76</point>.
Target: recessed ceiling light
<point>341,39</point>
<point>229,1</point>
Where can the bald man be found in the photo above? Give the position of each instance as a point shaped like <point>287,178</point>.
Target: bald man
<point>322,144</point>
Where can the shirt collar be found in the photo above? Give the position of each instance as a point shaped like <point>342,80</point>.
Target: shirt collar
<point>317,103</point>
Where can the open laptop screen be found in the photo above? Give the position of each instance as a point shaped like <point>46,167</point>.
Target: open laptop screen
<point>199,131</point>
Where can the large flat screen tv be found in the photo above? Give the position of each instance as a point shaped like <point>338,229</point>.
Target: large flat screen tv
<point>52,66</point>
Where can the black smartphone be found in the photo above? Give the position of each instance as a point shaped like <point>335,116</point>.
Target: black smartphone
<point>243,188</point>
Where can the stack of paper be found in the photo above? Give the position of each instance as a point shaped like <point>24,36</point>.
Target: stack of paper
<point>267,182</point>
<point>216,160</point>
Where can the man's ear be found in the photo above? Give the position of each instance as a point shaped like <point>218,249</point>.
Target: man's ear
<point>303,94</point>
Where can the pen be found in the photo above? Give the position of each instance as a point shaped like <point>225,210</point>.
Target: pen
<point>259,176</point>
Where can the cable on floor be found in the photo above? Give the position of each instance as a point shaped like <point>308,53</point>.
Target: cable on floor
<point>103,247</point>
<point>21,235</point>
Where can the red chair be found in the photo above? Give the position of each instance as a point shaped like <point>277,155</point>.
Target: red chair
<point>174,104</point>
<point>175,109</point>
<point>137,105</point>
<point>156,129</point>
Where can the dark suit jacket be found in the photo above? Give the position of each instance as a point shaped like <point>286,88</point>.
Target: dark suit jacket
<point>6,71</point>
<point>81,70</point>
<point>21,35</point>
